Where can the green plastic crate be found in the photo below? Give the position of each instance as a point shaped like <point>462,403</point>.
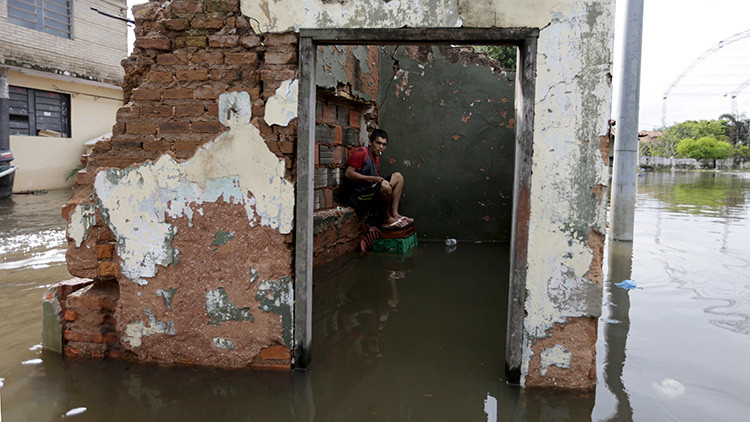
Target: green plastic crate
<point>395,246</point>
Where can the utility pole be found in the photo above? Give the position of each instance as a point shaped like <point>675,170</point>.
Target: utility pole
<point>622,211</point>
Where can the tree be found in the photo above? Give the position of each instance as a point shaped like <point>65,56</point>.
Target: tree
<point>666,145</point>
<point>705,148</point>
<point>738,128</point>
<point>503,54</point>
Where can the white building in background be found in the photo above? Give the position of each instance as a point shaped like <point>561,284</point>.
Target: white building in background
<point>64,76</point>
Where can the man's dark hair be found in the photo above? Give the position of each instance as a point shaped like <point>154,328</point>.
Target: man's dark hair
<point>378,133</point>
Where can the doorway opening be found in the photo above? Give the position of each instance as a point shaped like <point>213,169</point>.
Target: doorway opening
<point>442,169</point>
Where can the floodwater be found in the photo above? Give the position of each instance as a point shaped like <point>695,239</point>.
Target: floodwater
<point>422,338</point>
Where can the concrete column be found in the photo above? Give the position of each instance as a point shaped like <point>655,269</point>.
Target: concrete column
<point>626,131</point>
<point>4,113</point>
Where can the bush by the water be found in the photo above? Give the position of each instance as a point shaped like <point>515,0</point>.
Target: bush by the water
<point>705,148</point>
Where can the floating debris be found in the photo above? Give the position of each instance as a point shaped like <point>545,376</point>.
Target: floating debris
<point>74,412</point>
<point>669,388</point>
<point>2,382</point>
<point>31,362</point>
<point>628,285</point>
<point>35,347</point>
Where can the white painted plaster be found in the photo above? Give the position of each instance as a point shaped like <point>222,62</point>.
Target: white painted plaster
<point>558,356</point>
<point>81,220</point>
<point>282,107</point>
<point>235,108</point>
<point>135,331</point>
<point>291,15</point>
<point>566,134</point>
<point>223,343</point>
<point>237,167</point>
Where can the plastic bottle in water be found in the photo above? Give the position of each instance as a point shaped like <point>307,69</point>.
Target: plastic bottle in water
<point>451,242</point>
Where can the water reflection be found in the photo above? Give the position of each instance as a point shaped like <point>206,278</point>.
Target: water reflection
<point>617,326</point>
<point>422,338</point>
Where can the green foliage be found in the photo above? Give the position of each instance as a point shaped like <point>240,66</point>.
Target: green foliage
<point>704,148</point>
<point>666,145</point>
<point>741,151</point>
<point>503,54</point>
<point>73,173</point>
<point>738,128</point>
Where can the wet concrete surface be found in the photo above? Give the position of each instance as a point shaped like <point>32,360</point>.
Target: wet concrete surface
<point>423,338</point>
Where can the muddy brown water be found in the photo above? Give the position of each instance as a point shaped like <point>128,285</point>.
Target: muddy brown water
<point>423,338</point>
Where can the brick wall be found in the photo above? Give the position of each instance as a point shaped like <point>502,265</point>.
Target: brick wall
<point>96,47</point>
<point>338,131</point>
<point>187,53</point>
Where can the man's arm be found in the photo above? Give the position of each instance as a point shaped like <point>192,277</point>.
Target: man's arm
<point>351,174</point>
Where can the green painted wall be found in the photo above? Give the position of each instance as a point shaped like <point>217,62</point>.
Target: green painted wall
<point>452,136</point>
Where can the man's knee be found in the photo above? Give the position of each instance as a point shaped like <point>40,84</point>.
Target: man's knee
<point>386,189</point>
<point>397,177</point>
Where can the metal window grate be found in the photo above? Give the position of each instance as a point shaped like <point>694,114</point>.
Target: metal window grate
<point>50,16</point>
<point>33,111</point>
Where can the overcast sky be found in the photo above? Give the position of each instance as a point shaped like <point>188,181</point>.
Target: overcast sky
<point>675,34</point>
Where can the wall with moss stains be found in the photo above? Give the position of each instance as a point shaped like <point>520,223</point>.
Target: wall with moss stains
<point>158,205</point>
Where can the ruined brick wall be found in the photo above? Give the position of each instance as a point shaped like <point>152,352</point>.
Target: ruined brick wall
<point>184,218</point>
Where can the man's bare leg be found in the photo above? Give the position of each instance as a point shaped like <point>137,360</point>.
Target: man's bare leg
<point>397,187</point>
<point>386,195</point>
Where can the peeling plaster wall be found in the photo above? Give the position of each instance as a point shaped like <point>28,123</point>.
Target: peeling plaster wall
<point>572,106</point>
<point>189,52</point>
<point>450,117</point>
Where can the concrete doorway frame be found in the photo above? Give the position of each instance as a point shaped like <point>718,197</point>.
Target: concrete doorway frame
<point>309,39</point>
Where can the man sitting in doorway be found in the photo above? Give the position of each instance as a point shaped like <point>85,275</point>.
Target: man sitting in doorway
<point>367,191</point>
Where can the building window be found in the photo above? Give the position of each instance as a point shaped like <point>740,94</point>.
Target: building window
<point>50,16</point>
<point>34,112</point>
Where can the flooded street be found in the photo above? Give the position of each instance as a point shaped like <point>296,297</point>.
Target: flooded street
<point>423,338</point>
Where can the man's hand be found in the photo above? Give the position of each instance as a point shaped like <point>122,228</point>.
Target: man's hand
<point>378,179</point>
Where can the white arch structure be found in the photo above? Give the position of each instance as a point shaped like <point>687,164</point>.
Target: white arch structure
<point>734,38</point>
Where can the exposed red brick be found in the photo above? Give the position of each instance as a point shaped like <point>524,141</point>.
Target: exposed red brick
<point>187,146</point>
<point>145,94</point>
<point>117,129</point>
<point>208,58</point>
<point>222,5</point>
<point>276,352</point>
<point>174,127</point>
<point>187,42</point>
<point>185,7</point>
<point>354,119</point>
<point>221,40</point>
<point>140,128</point>
<point>178,93</point>
<point>281,56</point>
<point>272,366</point>
<point>210,91</point>
<point>70,315</point>
<point>286,147</point>
<point>192,75</point>
<point>338,135</point>
<point>105,251</point>
<point>145,12</point>
<point>156,43</point>
<point>156,145</point>
<point>207,22</point>
<point>127,112</point>
<point>188,110</point>
<point>176,24</point>
<point>280,39</point>
<point>169,59</point>
<point>156,76</point>
<point>207,127</point>
<point>154,110</point>
<point>108,269</point>
<point>248,59</point>
<point>251,41</point>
